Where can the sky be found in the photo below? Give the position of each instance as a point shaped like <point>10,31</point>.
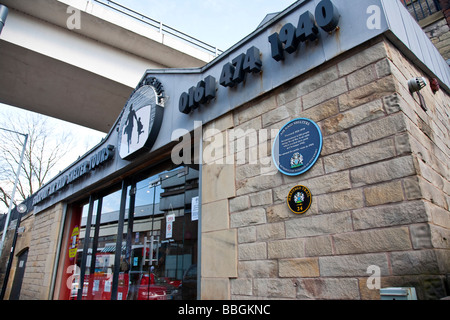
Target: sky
<point>220,23</point>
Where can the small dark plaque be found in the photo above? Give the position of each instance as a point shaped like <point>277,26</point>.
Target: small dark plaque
<point>297,146</point>
<point>299,199</point>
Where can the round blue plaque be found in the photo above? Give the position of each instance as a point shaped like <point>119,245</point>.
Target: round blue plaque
<point>297,146</point>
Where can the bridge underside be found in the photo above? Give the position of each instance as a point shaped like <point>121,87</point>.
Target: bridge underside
<point>84,75</point>
<point>38,83</point>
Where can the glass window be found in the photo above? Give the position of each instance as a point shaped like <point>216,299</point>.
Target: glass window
<point>98,267</point>
<point>157,252</point>
<point>102,263</point>
<point>164,238</point>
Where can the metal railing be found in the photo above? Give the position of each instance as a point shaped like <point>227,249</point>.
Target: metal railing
<point>160,27</point>
<point>420,9</point>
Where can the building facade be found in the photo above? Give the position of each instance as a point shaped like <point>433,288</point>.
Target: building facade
<point>187,197</point>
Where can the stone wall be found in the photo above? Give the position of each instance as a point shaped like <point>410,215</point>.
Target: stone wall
<point>42,254</point>
<point>380,188</point>
<point>439,34</point>
<point>22,243</point>
<point>429,142</point>
<point>445,6</point>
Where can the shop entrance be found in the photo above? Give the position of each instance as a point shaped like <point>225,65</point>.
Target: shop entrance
<point>137,241</point>
<point>18,277</point>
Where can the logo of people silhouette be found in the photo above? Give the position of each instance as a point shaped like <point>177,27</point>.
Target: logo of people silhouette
<point>130,126</point>
<point>140,123</point>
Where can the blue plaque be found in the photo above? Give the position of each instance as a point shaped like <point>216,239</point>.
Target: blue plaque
<point>297,146</point>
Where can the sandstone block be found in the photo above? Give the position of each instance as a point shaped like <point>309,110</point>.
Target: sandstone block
<point>218,125</point>
<point>357,116</point>
<point>216,288</point>
<point>372,91</point>
<point>379,240</point>
<point>392,103</point>
<point>390,215</point>
<point>273,231</point>
<point>219,254</point>
<point>274,116</point>
<point>383,171</point>
<point>433,194</point>
<point>361,77</point>
<point>278,212</point>
<point>259,183</point>
<point>247,218</point>
<point>439,216</point>
<point>329,183</point>
<point>352,265</point>
<point>239,204</point>
<point>247,234</point>
<point>293,248</point>
<point>421,236</point>
<point>294,108</point>
<point>241,286</point>
<point>411,186</point>
<point>274,288</point>
<point>340,201</point>
<point>258,269</point>
<point>378,129</point>
<point>363,58</point>
<point>328,289</point>
<point>336,143</point>
<point>318,246</point>
<point>324,93</point>
<point>384,193</point>
<point>215,216</point>
<point>250,112</point>
<point>319,225</point>
<point>247,171</point>
<point>309,84</point>
<point>305,268</point>
<point>383,68</point>
<point>318,113</point>
<point>261,198</point>
<point>358,156</point>
<point>224,186</point>
<point>414,262</point>
<point>253,251</point>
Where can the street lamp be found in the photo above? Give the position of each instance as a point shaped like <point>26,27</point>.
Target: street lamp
<point>11,203</point>
<point>21,209</point>
<point>3,15</point>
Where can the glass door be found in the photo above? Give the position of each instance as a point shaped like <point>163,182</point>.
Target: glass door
<point>101,255</point>
<point>162,242</point>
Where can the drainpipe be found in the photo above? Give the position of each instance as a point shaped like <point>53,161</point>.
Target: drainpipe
<point>3,15</point>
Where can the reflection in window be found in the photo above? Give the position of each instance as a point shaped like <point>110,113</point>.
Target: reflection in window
<point>159,260</point>
<point>157,257</point>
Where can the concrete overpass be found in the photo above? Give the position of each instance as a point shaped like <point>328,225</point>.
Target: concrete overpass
<point>79,60</point>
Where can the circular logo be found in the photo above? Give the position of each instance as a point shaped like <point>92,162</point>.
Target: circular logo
<point>141,120</point>
<point>297,147</point>
<point>299,199</point>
